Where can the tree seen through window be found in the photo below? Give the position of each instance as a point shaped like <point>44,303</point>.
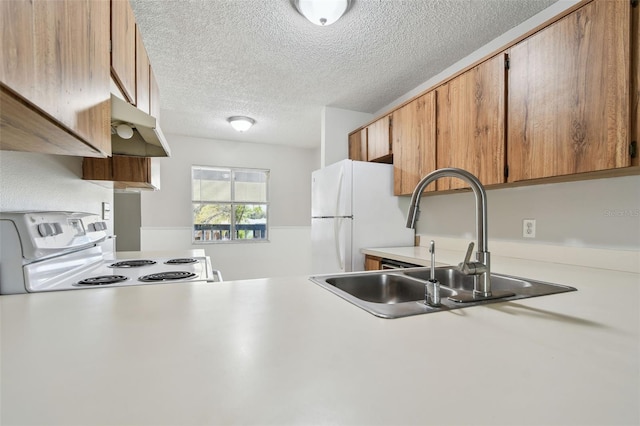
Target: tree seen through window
<point>229,204</point>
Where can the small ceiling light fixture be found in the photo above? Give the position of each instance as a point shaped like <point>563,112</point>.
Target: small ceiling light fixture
<point>322,12</point>
<point>124,131</point>
<point>240,123</point>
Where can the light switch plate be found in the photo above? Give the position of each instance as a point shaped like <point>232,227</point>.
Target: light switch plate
<point>106,211</point>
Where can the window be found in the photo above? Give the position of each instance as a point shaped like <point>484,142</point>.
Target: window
<point>229,204</point>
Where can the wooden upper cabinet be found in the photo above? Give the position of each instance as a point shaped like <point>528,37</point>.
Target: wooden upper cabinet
<point>123,48</point>
<point>358,145</point>
<point>142,75</point>
<point>124,171</point>
<point>55,63</point>
<point>569,95</point>
<point>414,143</point>
<point>379,140</point>
<point>470,124</point>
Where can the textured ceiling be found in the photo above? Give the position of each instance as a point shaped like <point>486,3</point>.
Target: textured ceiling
<point>218,58</point>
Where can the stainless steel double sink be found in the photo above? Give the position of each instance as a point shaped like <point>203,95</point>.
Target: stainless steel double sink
<point>401,293</point>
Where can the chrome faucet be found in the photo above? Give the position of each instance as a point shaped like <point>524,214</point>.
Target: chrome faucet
<point>481,270</point>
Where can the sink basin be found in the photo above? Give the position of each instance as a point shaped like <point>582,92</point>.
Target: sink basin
<point>401,293</point>
<point>383,288</point>
<point>456,280</point>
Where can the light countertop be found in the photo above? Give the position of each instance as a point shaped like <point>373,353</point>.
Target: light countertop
<point>286,351</point>
<point>417,255</point>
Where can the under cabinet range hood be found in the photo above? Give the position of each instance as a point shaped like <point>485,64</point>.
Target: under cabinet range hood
<point>147,139</point>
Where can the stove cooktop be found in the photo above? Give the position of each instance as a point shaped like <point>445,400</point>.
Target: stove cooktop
<point>119,273</point>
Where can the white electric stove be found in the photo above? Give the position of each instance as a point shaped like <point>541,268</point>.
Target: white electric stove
<point>49,251</point>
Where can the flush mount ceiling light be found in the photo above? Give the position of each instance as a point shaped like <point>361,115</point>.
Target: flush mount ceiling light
<point>240,123</point>
<point>322,12</point>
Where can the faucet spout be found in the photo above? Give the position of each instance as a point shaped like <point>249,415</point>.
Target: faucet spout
<point>483,283</point>
<point>476,187</point>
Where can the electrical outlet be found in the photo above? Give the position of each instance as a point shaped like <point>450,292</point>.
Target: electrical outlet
<point>529,228</point>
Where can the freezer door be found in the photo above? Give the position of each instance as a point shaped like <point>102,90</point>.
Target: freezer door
<point>331,245</point>
<point>331,190</point>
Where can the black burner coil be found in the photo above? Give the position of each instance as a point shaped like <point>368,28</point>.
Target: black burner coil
<point>167,276</point>
<point>181,261</point>
<point>132,263</point>
<point>103,280</point>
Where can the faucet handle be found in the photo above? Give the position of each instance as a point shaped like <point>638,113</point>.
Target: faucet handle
<point>471,268</point>
<point>467,257</point>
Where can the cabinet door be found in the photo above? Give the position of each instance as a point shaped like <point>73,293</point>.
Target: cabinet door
<point>123,48</point>
<point>372,263</point>
<point>569,95</point>
<point>414,143</point>
<point>378,140</point>
<point>124,171</point>
<point>17,65</point>
<point>358,145</point>
<point>142,75</point>
<point>55,56</point>
<point>470,124</point>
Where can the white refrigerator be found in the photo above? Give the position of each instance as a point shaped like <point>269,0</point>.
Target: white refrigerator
<point>353,207</point>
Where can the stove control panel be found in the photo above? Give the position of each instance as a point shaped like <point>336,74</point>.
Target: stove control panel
<point>45,234</point>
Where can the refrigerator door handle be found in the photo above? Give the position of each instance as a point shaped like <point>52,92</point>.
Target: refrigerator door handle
<point>336,238</point>
<point>339,192</point>
<point>337,222</point>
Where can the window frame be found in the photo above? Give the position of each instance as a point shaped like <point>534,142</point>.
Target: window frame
<point>233,203</point>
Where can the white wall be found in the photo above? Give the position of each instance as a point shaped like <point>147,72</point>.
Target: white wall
<point>600,213</point>
<point>166,214</point>
<point>334,138</point>
<point>31,181</point>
